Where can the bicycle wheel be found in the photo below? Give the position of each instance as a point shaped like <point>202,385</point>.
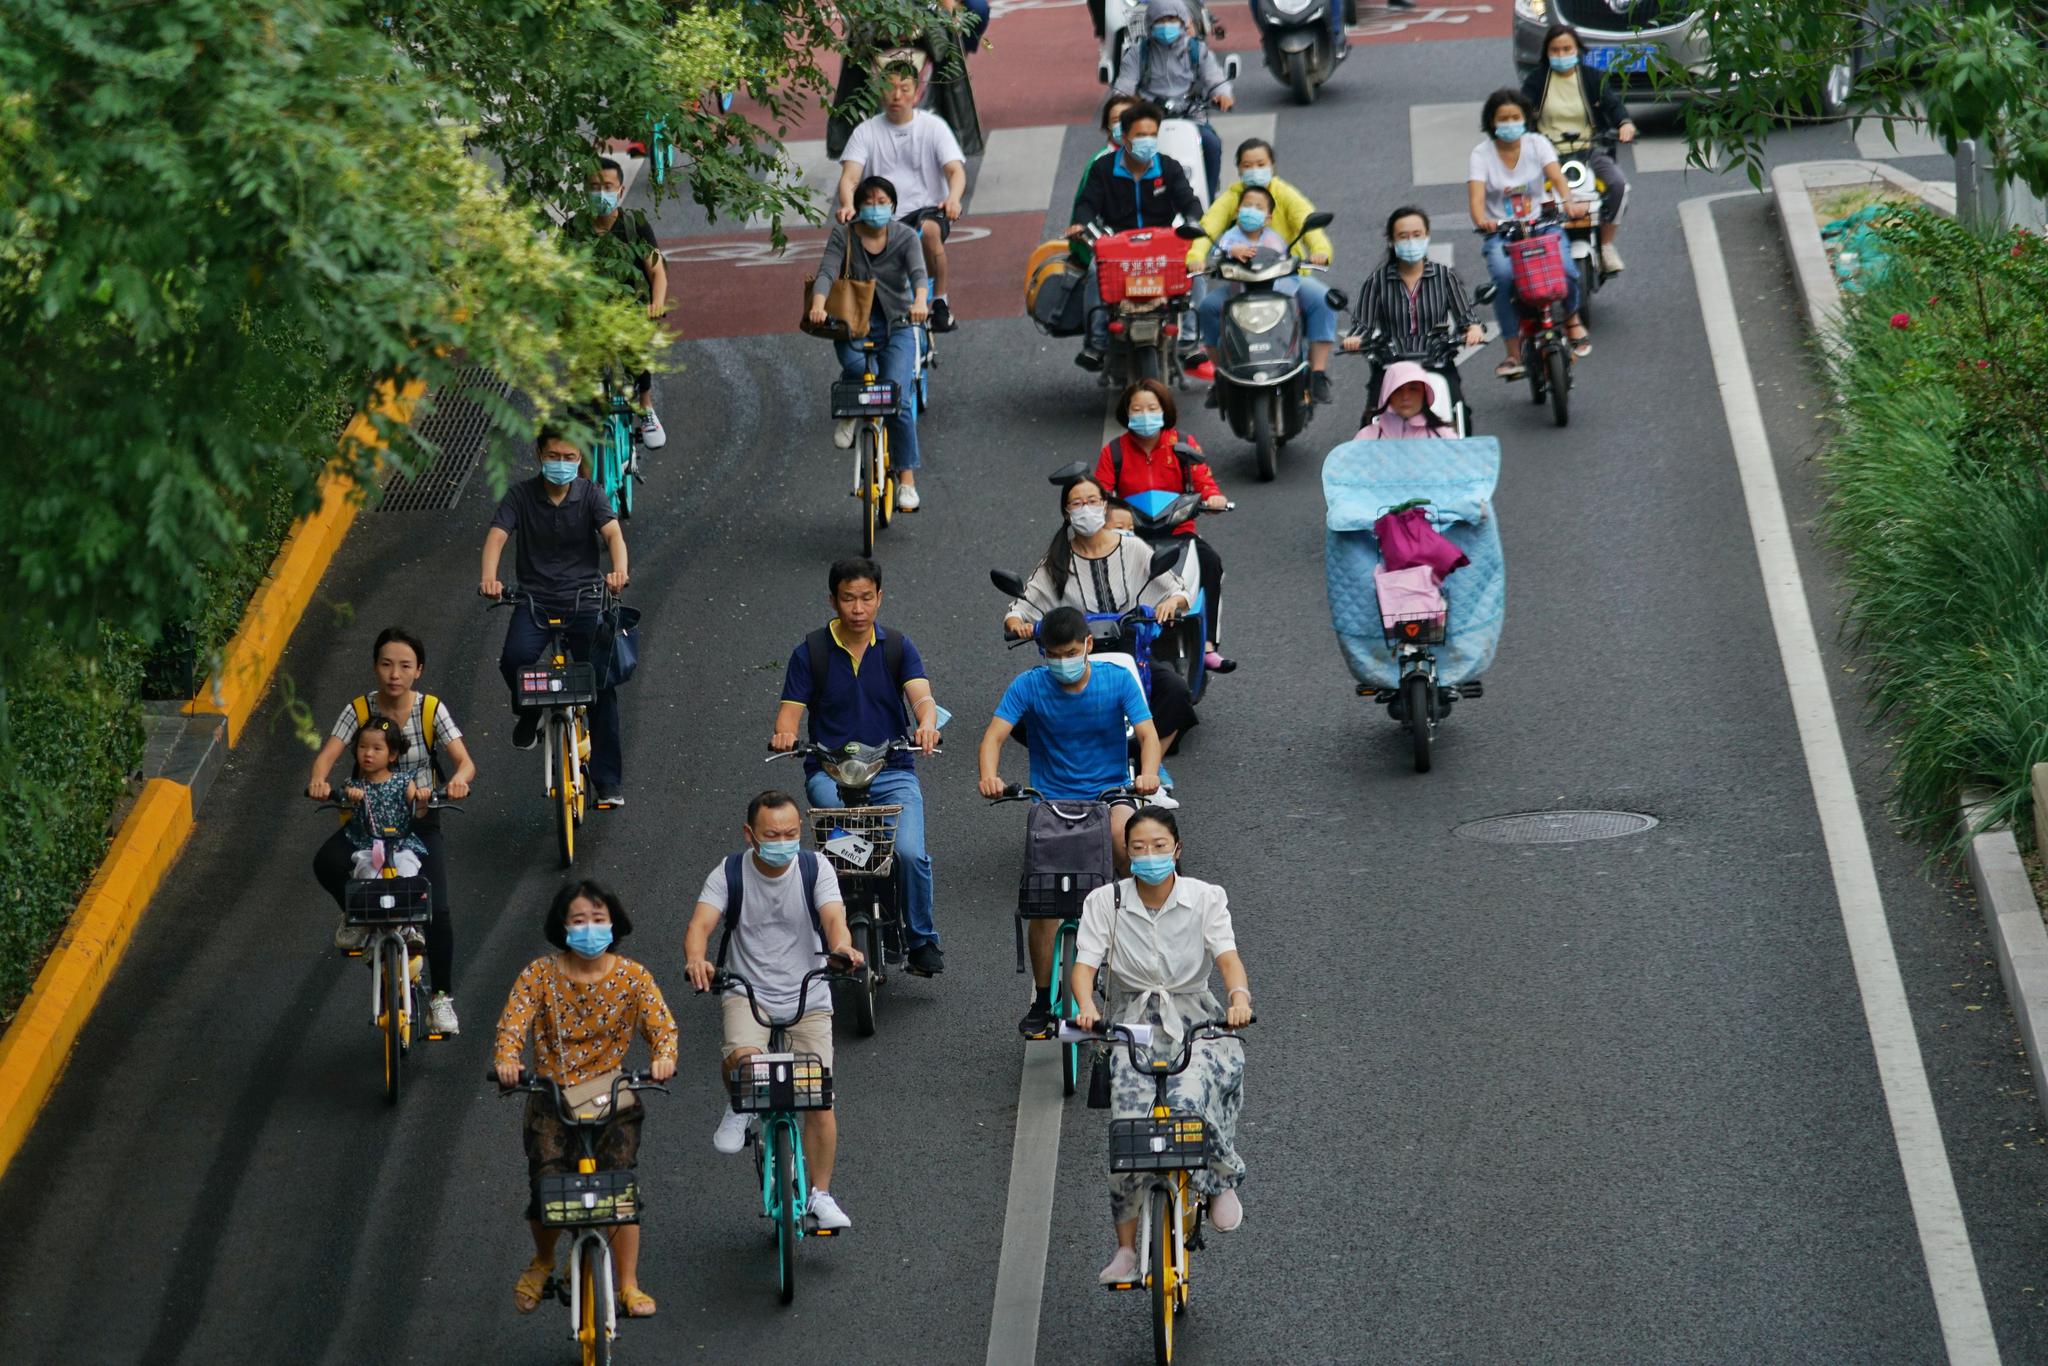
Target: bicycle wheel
<point>1415,700</point>
<point>1558,364</point>
<point>620,487</point>
<point>394,1019</point>
<point>784,1186</point>
<point>593,1325</point>
<point>1064,948</point>
<point>859,996</point>
<point>885,480</point>
<point>1164,1274</point>
<point>865,466</point>
<point>565,790</point>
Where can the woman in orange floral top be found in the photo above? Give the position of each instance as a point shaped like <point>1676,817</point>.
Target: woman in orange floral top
<point>583,1004</point>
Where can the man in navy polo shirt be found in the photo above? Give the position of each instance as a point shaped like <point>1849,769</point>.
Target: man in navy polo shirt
<point>872,689</point>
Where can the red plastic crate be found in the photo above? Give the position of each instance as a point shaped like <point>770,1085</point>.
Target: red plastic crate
<point>1539,269</point>
<point>1144,263</point>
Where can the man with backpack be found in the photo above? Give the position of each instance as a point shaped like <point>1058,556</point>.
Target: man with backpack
<point>780,911</point>
<point>1172,64</point>
<point>844,701</point>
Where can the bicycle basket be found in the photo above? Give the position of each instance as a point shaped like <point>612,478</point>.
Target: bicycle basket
<point>1538,264</point>
<point>389,901</point>
<point>546,685</point>
<point>858,841</point>
<point>1420,630</point>
<point>855,398</point>
<point>780,1081</point>
<point>582,1199</point>
<point>1174,1144</point>
<point>1056,896</point>
<point>1145,264</point>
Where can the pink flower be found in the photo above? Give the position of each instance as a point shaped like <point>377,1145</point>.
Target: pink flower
<point>1983,365</point>
<point>1902,321</point>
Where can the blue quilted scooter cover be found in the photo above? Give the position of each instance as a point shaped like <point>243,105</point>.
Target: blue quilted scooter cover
<point>1361,481</point>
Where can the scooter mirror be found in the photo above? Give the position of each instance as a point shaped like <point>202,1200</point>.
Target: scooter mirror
<point>1339,300</point>
<point>1188,454</point>
<point>1070,471</point>
<point>1320,219</point>
<point>1007,582</point>
<point>1189,232</point>
<point>1486,293</point>
<point>1164,557</point>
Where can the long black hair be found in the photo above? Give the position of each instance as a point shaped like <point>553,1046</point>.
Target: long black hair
<point>1059,556</point>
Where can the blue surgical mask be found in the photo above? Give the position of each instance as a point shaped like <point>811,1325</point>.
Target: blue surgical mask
<point>777,853</point>
<point>1249,221</point>
<point>1257,178</point>
<point>588,941</point>
<point>1144,149</point>
<point>1411,249</point>
<point>1564,64</point>
<point>1510,132</point>
<point>876,215</point>
<point>604,202</point>
<point>1152,869</point>
<point>1168,32</point>
<point>560,471</point>
<point>1068,670</point>
<point>1116,135</point>
<point>1147,424</point>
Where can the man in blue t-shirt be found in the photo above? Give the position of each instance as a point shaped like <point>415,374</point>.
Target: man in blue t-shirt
<point>860,682</point>
<point>1076,714</point>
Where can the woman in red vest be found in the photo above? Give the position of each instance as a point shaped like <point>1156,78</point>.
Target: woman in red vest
<point>1144,468</point>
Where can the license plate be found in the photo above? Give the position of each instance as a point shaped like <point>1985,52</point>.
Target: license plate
<point>1147,285</point>
<point>1618,58</point>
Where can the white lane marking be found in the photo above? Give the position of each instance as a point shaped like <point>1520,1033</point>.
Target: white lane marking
<point>802,250</point>
<point>1444,254</point>
<point>1914,141</point>
<point>815,167</point>
<point>1017,170</point>
<point>1389,22</point>
<point>1027,1217</point>
<point>1440,140</point>
<point>1232,129</point>
<point>1930,1185</point>
<point>1666,153</point>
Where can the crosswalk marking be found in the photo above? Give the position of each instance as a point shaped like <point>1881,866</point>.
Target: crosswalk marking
<point>816,169</point>
<point>1914,141</point>
<point>1017,170</point>
<point>1654,154</point>
<point>1440,138</point>
<point>1235,128</point>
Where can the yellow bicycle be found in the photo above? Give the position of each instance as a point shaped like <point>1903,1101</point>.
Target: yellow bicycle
<point>870,401</point>
<point>564,687</point>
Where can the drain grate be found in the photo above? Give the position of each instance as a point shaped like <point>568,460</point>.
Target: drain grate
<point>456,430</point>
<point>1556,827</point>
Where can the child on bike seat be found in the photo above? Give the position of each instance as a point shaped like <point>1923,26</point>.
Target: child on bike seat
<point>391,800</point>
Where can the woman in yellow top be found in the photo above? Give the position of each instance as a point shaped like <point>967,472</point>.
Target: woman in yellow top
<point>583,1004</point>
<point>1255,170</point>
<point>1573,104</point>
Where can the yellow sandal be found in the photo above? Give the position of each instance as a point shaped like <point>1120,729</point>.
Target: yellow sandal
<point>637,1303</point>
<point>533,1284</point>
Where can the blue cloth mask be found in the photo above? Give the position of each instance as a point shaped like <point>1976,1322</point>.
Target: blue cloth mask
<point>560,471</point>
<point>1411,249</point>
<point>1510,132</point>
<point>603,203</point>
<point>777,853</point>
<point>1152,869</point>
<point>876,215</point>
<point>1147,424</point>
<point>1068,670</point>
<point>588,941</point>
<point>1249,221</point>
<point>1144,149</point>
<point>1257,178</point>
<point>1564,64</point>
<point>1168,32</point>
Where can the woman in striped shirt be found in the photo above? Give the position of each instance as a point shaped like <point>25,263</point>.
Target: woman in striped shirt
<point>1411,297</point>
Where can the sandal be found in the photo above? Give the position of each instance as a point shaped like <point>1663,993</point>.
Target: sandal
<point>1582,344</point>
<point>637,1303</point>
<point>533,1284</point>
<point>1510,369</point>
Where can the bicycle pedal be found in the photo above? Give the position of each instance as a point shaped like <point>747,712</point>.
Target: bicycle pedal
<point>914,972</point>
<point>1125,1285</point>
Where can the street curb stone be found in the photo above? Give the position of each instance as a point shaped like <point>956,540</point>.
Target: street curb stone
<point>2006,898</point>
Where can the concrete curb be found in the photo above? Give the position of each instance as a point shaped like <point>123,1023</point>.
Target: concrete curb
<point>2019,937</point>
<point>181,759</point>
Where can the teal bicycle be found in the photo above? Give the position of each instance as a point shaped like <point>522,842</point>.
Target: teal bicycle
<point>775,1088</point>
<point>615,461</point>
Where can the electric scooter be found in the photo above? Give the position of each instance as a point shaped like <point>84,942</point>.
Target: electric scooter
<point>1261,384</point>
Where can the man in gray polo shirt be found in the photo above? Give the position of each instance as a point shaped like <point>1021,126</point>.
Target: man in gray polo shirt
<point>561,520</point>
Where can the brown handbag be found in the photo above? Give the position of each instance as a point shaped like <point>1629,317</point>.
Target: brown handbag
<point>591,1100</point>
<point>847,303</point>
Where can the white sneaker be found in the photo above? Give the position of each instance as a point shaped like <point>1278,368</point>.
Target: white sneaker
<point>1122,1268</point>
<point>350,938</point>
<point>907,499</point>
<point>1226,1211</point>
<point>441,1015</point>
<point>732,1132</point>
<point>652,434</point>
<point>842,434</point>
<point>825,1211</point>
<point>1610,260</point>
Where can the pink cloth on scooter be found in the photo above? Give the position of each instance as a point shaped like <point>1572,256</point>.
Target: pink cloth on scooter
<point>1407,539</point>
<point>1407,593</point>
<point>1386,425</point>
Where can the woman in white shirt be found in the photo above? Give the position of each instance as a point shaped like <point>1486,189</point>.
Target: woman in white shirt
<point>1512,163</point>
<point>1160,934</point>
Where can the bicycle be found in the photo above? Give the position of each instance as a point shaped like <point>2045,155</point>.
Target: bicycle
<point>589,1203</point>
<point>775,1087</point>
<point>869,401</point>
<point>564,687</point>
<point>615,459</point>
<point>1057,895</point>
<point>1168,1143</point>
<point>393,909</point>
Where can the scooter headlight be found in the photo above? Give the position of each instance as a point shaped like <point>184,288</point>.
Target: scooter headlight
<point>1261,315</point>
<point>1533,9</point>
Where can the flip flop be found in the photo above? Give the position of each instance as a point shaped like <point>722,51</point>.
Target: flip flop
<point>1582,345</point>
<point>533,1283</point>
<point>1510,369</point>
<point>637,1303</point>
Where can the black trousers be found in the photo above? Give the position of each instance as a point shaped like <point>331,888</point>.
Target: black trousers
<point>333,866</point>
<point>1212,584</point>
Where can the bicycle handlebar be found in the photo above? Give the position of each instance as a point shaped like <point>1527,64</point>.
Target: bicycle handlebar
<point>838,967</point>
<point>1207,1029</point>
<point>543,1086</point>
<point>511,595</point>
<point>1020,792</point>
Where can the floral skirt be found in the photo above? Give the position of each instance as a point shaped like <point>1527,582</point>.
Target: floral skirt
<point>1212,1087</point>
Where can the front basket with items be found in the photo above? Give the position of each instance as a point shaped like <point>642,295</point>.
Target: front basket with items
<point>780,1081</point>
<point>858,841</point>
<point>389,901</point>
<point>1538,263</point>
<point>1176,1143</point>
<point>573,684</point>
<point>582,1199</point>
<point>1146,264</point>
<point>857,398</point>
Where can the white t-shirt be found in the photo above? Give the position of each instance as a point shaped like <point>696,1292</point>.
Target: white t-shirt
<point>1526,175</point>
<point>775,944</point>
<point>911,156</point>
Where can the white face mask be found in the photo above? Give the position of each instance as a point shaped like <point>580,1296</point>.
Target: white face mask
<point>1088,519</point>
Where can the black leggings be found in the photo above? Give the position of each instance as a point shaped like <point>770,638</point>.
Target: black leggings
<point>1212,584</point>
<point>333,865</point>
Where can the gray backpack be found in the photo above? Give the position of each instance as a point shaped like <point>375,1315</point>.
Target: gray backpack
<point>1066,856</point>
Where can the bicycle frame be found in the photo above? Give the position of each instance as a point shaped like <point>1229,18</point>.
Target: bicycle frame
<point>616,459</point>
<point>566,737</point>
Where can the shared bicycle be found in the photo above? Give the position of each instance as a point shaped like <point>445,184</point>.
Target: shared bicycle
<point>589,1204</point>
<point>564,687</point>
<point>870,401</point>
<point>615,458</point>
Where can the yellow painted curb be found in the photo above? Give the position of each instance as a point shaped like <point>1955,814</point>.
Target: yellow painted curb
<point>39,1040</point>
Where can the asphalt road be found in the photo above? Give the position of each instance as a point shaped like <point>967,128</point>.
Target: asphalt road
<point>1614,1101</point>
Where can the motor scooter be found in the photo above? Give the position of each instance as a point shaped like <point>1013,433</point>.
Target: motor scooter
<point>1443,351</point>
<point>1584,232</point>
<point>1295,37</point>
<point>1261,384</point>
<point>1540,293</point>
<point>1117,21</point>
<point>1142,278</point>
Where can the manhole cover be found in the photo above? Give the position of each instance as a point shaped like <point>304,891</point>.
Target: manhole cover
<point>1556,827</point>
